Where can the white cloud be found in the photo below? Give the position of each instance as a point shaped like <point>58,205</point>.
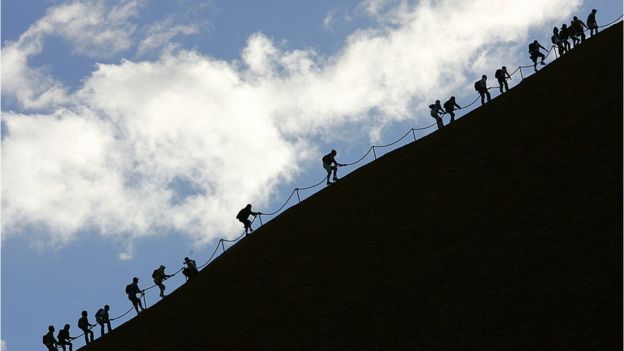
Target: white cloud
<point>181,143</point>
<point>3,346</point>
<point>159,35</point>
<point>95,28</point>
<point>329,19</point>
<point>32,88</point>
<point>92,28</point>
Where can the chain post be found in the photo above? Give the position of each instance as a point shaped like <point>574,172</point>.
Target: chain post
<point>297,191</point>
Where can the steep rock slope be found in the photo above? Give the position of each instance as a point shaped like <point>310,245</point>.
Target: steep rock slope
<point>501,232</point>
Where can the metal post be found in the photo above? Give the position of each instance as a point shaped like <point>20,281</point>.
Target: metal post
<point>374,154</point>
<point>521,75</point>
<point>260,218</point>
<point>297,191</point>
<point>413,134</point>
<point>144,301</point>
<point>222,245</point>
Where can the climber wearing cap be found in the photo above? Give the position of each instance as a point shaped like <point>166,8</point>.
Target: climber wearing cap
<point>159,276</point>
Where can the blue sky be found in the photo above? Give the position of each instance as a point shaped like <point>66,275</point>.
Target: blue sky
<point>133,131</point>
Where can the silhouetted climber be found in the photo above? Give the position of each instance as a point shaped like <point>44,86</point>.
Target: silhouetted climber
<point>556,39</point>
<point>159,276</point>
<point>102,317</point>
<point>132,290</point>
<point>564,34</point>
<point>481,87</point>
<point>579,27</point>
<point>573,34</point>
<point>449,107</point>
<point>534,51</point>
<point>592,24</point>
<point>191,268</point>
<point>64,339</point>
<point>331,165</point>
<point>49,340</point>
<point>243,217</point>
<point>85,326</point>
<point>501,75</point>
<point>437,112</point>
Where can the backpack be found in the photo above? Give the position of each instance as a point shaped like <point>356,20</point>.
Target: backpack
<point>326,159</point>
<point>82,323</point>
<point>477,85</point>
<point>129,289</point>
<point>239,216</point>
<point>448,105</point>
<point>99,316</point>
<point>498,74</point>
<point>431,106</point>
<point>532,48</point>
<point>46,340</point>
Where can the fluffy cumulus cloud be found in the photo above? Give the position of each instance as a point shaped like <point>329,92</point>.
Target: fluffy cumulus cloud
<point>179,143</point>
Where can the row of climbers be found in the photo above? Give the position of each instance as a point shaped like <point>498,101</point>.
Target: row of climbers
<point>102,316</point>
<point>576,32</point>
<point>559,38</point>
<point>438,110</point>
<point>64,340</point>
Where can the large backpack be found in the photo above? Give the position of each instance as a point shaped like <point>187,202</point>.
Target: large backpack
<point>498,74</point>
<point>240,216</point>
<point>82,323</point>
<point>431,106</point>
<point>477,85</point>
<point>531,48</point>
<point>155,274</point>
<point>99,316</point>
<point>326,159</point>
<point>46,340</point>
<point>129,289</point>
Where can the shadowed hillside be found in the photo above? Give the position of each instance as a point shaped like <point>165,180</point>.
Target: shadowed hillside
<point>501,232</point>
